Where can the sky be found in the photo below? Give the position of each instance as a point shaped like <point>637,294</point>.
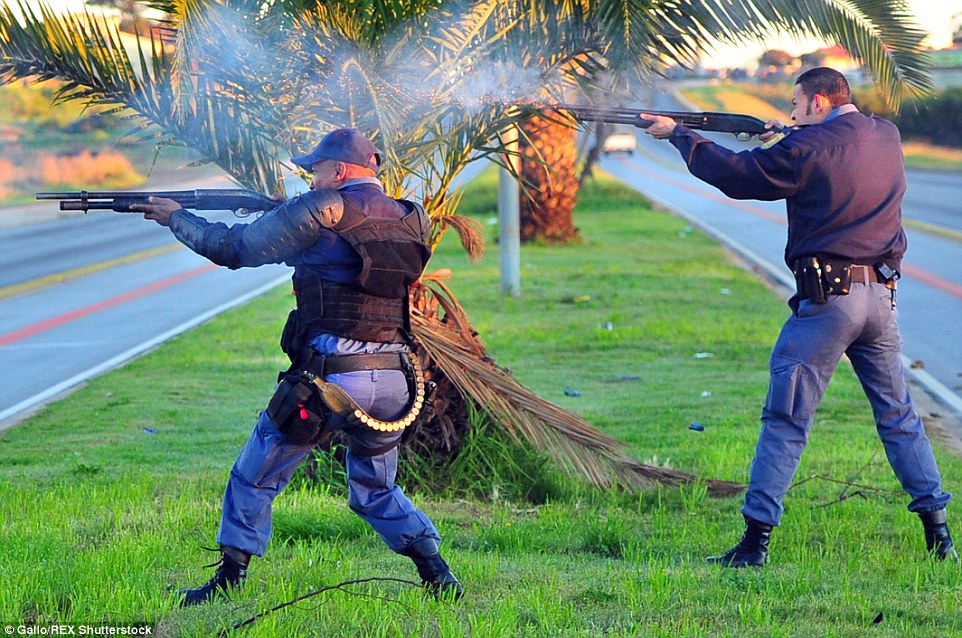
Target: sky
<point>939,17</point>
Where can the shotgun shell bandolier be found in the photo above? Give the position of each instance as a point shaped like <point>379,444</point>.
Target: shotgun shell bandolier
<point>339,402</point>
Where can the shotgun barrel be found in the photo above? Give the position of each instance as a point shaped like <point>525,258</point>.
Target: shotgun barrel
<point>198,199</point>
<point>742,126</point>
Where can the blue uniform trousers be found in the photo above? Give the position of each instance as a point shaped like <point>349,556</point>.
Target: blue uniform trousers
<point>863,326</point>
<point>268,461</point>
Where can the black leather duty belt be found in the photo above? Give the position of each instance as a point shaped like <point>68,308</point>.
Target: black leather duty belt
<point>340,364</point>
<point>863,274</point>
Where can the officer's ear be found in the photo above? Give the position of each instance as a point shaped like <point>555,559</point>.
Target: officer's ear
<point>821,102</point>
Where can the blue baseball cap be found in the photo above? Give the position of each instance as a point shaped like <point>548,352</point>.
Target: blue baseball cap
<point>343,145</point>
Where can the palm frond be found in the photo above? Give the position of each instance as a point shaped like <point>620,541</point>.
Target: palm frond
<point>880,34</point>
<point>469,231</point>
<point>639,37</point>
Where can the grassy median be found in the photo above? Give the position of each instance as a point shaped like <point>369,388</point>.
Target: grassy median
<point>109,495</point>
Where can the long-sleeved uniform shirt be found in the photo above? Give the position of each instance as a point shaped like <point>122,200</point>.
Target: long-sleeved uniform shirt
<point>843,181</point>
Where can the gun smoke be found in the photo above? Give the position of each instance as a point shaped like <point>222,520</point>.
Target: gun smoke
<point>316,78</point>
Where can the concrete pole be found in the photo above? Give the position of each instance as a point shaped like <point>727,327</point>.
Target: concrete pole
<point>509,219</point>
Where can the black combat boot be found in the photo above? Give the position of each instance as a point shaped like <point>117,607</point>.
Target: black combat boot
<point>751,551</point>
<point>937,537</point>
<point>435,574</point>
<point>231,572</point>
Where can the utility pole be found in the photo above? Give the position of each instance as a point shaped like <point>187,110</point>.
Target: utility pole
<point>509,217</point>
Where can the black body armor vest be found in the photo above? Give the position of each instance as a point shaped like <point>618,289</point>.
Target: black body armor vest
<point>373,307</point>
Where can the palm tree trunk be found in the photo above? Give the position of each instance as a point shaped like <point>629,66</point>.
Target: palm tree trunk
<point>549,181</point>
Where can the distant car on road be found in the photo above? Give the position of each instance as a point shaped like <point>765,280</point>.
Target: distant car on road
<point>622,140</point>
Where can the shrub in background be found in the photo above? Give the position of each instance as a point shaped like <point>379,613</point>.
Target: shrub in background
<point>21,101</point>
<point>933,119</point>
<point>8,175</point>
<point>107,170</point>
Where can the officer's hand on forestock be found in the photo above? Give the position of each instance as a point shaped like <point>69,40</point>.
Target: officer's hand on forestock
<point>159,209</point>
<point>661,127</point>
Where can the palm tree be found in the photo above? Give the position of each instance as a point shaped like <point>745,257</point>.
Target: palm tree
<point>549,179</point>
<point>433,83</point>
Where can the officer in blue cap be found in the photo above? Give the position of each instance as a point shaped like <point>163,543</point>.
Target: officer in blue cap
<point>355,252</point>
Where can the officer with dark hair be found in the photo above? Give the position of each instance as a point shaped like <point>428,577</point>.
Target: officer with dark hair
<point>843,179</point>
<point>355,252</point>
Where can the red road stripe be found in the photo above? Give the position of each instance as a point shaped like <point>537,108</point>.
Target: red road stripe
<point>736,203</point>
<point>924,276</point>
<point>935,281</point>
<point>56,322</point>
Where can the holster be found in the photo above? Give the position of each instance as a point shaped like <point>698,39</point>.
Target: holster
<point>297,410</point>
<point>808,279</point>
<point>304,401</point>
<point>817,277</point>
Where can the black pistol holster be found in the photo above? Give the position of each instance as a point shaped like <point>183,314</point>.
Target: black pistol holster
<point>304,401</point>
<point>817,277</point>
<point>297,409</point>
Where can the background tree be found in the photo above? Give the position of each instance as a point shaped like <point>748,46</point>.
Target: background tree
<point>775,57</point>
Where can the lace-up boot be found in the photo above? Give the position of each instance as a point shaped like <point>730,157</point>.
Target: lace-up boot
<point>231,572</point>
<point>751,551</point>
<point>435,574</point>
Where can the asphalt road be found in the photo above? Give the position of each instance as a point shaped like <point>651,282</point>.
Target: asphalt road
<point>81,296</point>
<point>930,293</point>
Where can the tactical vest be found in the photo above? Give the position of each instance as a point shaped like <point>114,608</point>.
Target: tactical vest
<point>374,306</point>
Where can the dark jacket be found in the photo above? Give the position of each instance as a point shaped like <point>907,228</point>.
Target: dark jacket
<point>332,258</point>
<point>351,282</point>
<point>843,181</point>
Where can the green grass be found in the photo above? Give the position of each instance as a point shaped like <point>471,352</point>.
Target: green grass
<point>108,495</point>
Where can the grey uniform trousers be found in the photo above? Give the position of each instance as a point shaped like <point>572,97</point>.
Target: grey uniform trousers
<point>862,325</point>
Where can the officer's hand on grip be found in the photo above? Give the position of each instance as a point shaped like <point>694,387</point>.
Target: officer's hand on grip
<point>775,128</point>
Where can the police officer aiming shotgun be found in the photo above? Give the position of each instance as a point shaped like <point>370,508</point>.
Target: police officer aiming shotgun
<point>842,176</point>
<point>355,252</point>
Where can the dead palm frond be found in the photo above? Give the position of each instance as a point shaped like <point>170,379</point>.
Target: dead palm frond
<point>580,450</point>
